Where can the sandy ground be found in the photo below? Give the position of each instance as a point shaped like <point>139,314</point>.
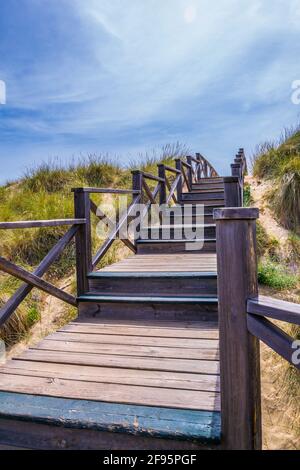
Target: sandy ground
<point>52,317</point>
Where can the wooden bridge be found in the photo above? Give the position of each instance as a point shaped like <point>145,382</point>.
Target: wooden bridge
<point>164,340</point>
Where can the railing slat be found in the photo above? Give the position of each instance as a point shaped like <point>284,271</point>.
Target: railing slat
<point>112,236</point>
<point>30,278</point>
<point>18,297</point>
<point>272,336</point>
<point>274,308</point>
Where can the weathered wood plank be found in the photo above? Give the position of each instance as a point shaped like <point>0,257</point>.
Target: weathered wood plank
<point>101,339</point>
<point>132,420</point>
<point>148,396</point>
<point>149,330</point>
<point>207,353</point>
<point>117,376</point>
<point>143,363</point>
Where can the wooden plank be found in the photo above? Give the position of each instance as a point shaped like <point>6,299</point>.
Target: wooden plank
<point>272,336</point>
<point>36,281</point>
<point>135,420</point>
<point>21,293</point>
<point>128,350</point>
<point>135,330</point>
<point>181,343</point>
<point>40,436</point>
<point>274,308</point>
<point>129,394</point>
<point>156,324</point>
<point>154,378</point>
<point>40,223</point>
<point>139,363</point>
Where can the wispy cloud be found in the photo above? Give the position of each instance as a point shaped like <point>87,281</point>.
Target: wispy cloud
<point>87,75</point>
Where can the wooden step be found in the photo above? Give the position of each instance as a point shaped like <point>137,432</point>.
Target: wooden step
<point>207,186</point>
<point>176,246</point>
<point>195,197</point>
<point>215,179</point>
<point>154,283</point>
<point>207,190</point>
<point>209,206</point>
<point>54,423</point>
<point>178,231</point>
<point>121,307</point>
<point>178,219</point>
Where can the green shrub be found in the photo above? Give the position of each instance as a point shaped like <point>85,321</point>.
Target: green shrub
<point>274,275</point>
<point>285,201</point>
<point>248,199</point>
<point>33,315</point>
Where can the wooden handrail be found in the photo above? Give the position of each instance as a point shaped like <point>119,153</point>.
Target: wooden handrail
<point>40,223</point>
<point>105,191</point>
<point>172,170</point>
<point>273,308</point>
<point>152,177</point>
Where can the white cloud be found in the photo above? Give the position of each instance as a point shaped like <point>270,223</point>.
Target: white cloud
<point>190,14</point>
<point>142,65</point>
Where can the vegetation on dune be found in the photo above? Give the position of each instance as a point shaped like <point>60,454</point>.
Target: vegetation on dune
<point>279,265</point>
<point>280,161</point>
<point>45,193</point>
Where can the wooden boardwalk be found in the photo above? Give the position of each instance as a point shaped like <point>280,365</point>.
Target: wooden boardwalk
<point>140,367</point>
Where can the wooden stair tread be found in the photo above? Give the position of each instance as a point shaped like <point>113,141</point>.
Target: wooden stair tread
<point>145,274</point>
<point>201,426</point>
<point>144,299</point>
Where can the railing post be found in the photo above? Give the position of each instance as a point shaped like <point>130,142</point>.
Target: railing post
<point>239,350</point>
<point>198,157</point>
<point>178,164</point>
<point>190,172</point>
<point>236,170</point>
<point>82,205</point>
<point>232,191</point>
<point>137,180</point>
<point>137,185</point>
<point>163,191</point>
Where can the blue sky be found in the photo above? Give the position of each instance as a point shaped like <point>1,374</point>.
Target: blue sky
<point>123,76</point>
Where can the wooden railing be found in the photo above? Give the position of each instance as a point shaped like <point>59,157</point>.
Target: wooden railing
<point>242,323</point>
<point>234,184</point>
<point>167,188</point>
<point>169,184</point>
<point>35,279</point>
